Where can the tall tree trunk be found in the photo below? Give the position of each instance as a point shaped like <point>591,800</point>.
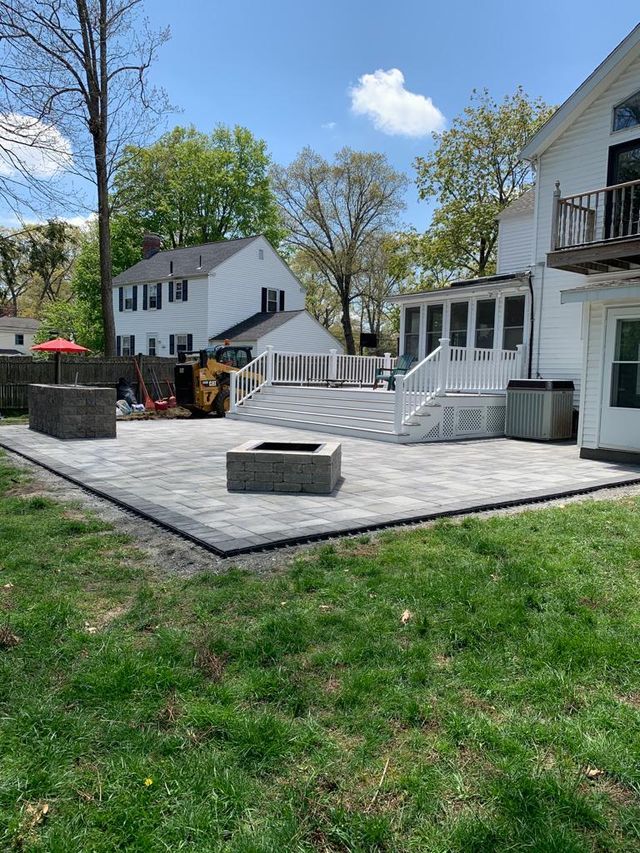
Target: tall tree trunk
<point>345,301</point>
<point>104,214</point>
<point>104,241</point>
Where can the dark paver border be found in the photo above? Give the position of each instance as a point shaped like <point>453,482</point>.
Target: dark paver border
<point>202,535</point>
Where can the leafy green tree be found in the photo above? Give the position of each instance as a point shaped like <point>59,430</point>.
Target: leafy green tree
<point>333,210</point>
<point>475,172</point>
<point>80,317</point>
<point>191,187</point>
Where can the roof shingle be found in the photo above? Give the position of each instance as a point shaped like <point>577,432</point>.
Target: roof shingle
<point>257,325</point>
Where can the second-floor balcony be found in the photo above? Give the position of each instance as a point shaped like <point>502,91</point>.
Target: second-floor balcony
<point>596,231</point>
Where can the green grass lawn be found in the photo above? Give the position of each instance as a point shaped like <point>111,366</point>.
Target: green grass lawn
<point>474,686</point>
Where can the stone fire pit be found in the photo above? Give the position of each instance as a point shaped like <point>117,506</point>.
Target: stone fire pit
<point>73,411</point>
<point>280,466</point>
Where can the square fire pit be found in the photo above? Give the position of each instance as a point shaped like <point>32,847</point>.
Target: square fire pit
<point>281,466</point>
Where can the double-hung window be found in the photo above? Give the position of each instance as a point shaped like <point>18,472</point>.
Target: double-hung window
<point>154,301</point>
<point>272,300</point>
<point>485,323</point>
<point>178,295</point>
<point>458,324</point>
<point>126,345</point>
<point>513,326</point>
<point>411,331</point>
<point>128,299</point>
<point>181,343</point>
<point>19,340</point>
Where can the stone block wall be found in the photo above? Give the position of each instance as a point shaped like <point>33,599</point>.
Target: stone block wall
<point>73,411</point>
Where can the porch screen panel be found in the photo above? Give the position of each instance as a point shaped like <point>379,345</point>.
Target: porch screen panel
<point>485,323</point>
<point>625,377</point>
<point>412,331</point>
<point>513,327</point>
<point>434,327</point>
<point>459,323</point>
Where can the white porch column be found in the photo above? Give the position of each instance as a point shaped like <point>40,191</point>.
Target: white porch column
<point>398,400</point>
<point>443,366</point>
<point>333,364</point>
<point>387,361</point>
<point>269,372</point>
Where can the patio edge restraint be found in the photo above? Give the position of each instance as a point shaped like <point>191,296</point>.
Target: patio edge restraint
<point>530,498</point>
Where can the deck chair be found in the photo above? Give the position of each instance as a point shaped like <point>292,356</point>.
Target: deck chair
<point>403,364</point>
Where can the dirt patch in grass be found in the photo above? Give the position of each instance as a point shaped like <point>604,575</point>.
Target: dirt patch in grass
<point>210,664</point>
<point>7,637</point>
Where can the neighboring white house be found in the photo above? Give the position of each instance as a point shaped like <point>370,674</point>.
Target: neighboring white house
<point>181,299</point>
<point>17,334</point>
<point>568,277</point>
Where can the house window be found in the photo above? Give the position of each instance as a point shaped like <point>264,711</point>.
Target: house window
<point>261,254</point>
<point>272,300</point>
<point>458,325</point>
<point>178,292</point>
<point>435,314</point>
<point>128,299</point>
<point>513,326</point>
<point>152,345</point>
<point>627,114</point>
<point>181,343</point>
<point>126,345</point>
<point>411,331</point>
<point>153,296</point>
<point>19,340</point>
<point>625,379</point>
<point>485,323</point>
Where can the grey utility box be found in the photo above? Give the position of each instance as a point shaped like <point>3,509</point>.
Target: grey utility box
<point>539,409</point>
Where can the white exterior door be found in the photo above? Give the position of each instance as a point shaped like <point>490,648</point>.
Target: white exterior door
<point>620,419</point>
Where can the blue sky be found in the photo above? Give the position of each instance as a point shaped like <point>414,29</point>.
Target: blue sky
<point>285,68</point>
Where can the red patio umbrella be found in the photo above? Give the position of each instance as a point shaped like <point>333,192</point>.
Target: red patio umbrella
<point>58,346</point>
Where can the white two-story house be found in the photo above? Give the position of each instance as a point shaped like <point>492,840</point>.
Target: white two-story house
<point>567,287</point>
<point>186,299</point>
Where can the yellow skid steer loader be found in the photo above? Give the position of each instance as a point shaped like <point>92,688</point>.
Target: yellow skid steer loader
<point>202,378</point>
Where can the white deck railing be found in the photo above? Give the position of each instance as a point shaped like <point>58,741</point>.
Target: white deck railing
<point>251,378</point>
<point>460,369</point>
<point>307,368</point>
<point>416,387</point>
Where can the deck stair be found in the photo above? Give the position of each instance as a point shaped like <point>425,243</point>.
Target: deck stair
<point>361,413</point>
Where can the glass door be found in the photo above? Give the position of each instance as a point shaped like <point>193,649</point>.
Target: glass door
<point>620,418</point>
<point>623,204</point>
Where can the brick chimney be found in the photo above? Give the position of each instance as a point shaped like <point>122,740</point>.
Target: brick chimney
<point>151,244</point>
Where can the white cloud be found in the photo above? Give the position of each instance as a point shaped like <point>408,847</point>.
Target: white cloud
<point>328,125</point>
<point>393,109</point>
<point>31,147</point>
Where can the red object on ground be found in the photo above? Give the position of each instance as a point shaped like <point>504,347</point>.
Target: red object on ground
<point>161,405</point>
<point>59,345</point>
<point>148,402</point>
<point>171,402</point>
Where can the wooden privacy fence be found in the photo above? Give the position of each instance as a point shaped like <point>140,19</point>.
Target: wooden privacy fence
<point>18,372</point>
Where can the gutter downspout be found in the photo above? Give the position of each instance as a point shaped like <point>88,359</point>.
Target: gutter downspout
<point>531,326</point>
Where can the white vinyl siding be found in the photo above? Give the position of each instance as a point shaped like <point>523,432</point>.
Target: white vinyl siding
<point>300,334</point>
<point>579,160</point>
<point>593,366</point>
<point>515,243</point>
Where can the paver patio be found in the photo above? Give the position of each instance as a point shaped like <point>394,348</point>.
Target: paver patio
<point>174,473</point>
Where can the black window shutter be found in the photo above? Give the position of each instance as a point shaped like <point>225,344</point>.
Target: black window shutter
<point>132,344</point>
<point>121,299</point>
<point>172,344</point>
<point>145,293</point>
<point>170,291</point>
<point>190,343</point>
<point>159,295</point>
<point>119,341</point>
<point>135,297</point>
<point>264,300</point>
<point>282,300</point>
<point>185,290</point>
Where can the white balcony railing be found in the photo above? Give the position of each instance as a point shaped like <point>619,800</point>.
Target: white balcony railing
<point>610,213</point>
